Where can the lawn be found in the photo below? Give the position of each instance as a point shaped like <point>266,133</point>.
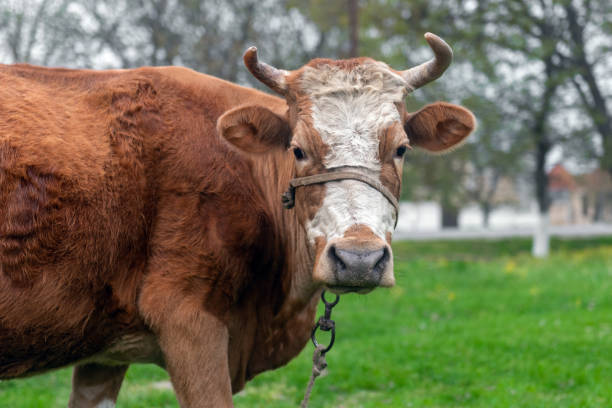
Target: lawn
<point>469,324</point>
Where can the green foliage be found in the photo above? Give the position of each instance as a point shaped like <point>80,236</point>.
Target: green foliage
<point>470,324</point>
<point>501,48</point>
<point>42,32</point>
<point>392,31</point>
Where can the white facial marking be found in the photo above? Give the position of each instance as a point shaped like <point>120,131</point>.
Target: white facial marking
<point>351,202</point>
<point>349,110</point>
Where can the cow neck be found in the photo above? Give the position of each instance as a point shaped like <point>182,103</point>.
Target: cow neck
<point>286,311</point>
<point>273,172</point>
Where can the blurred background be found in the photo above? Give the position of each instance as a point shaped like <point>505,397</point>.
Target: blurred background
<point>474,321</point>
<point>536,73</point>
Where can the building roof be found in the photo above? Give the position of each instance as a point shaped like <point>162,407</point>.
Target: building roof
<point>596,181</point>
<point>559,179</point>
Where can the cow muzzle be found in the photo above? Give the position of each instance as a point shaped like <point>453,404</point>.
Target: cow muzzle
<point>347,265</point>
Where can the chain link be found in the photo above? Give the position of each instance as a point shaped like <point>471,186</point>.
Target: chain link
<point>325,323</point>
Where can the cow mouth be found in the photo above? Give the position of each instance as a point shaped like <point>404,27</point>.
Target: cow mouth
<point>342,289</point>
<point>351,265</point>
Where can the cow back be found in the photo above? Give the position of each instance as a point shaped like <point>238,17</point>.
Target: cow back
<point>75,207</point>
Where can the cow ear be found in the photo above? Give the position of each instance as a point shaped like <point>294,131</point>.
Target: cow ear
<point>439,127</point>
<point>254,129</point>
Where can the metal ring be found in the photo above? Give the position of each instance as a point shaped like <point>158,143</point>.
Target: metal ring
<point>335,302</point>
<point>316,343</point>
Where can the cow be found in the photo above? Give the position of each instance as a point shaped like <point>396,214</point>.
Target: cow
<point>141,217</point>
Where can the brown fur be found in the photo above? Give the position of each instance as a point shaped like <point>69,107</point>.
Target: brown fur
<point>391,172</point>
<point>121,211</point>
<point>93,384</point>
<point>131,231</point>
<point>240,126</point>
<point>346,64</point>
<point>439,127</point>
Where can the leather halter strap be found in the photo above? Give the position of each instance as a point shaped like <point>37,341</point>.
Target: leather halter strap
<point>288,198</point>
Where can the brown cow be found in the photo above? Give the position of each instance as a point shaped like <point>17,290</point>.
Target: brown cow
<point>141,222</point>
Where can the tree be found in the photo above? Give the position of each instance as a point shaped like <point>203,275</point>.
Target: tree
<point>42,32</point>
<point>526,31</point>
<point>544,143</point>
<point>582,22</point>
<point>495,151</point>
<point>206,35</point>
<point>353,11</point>
<point>493,155</point>
<point>337,26</point>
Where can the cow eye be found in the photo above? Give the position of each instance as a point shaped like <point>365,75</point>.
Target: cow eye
<point>400,151</point>
<point>298,153</point>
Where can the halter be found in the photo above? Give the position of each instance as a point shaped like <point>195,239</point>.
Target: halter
<point>288,198</point>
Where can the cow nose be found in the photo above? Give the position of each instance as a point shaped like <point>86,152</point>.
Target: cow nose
<point>358,267</point>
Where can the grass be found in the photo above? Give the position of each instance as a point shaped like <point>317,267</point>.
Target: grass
<point>470,324</point>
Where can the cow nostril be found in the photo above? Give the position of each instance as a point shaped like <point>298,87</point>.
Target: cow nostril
<point>356,266</point>
<point>336,258</point>
<point>359,262</point>
<point>382,261</point>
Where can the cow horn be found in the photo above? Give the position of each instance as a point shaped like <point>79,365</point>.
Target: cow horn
<point>272,77</point>
<point>432,69</point>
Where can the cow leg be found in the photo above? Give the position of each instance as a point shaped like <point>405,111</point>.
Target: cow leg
<point>96,385</point>
<point>196,355</point>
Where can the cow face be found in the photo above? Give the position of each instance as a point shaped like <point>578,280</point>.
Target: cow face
<point>346,115</point>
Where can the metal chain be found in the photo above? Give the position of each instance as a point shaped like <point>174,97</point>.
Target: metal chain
<point>325,323</point>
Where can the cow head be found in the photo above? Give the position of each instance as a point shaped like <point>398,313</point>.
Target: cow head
<point>348,114</point>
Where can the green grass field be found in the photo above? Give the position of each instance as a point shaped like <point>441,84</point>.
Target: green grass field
<point>469,324</point>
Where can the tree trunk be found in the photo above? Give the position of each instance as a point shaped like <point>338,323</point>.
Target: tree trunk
<point>450,216</point>
<point>541,236</point>
<point>486,213</point>
<point>543,145</point>
<point>597,108</point>
<point>598,210</point>
<point>353,9</point>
